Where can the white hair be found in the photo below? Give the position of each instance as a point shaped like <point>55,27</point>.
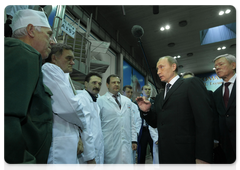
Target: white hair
<point>23,31</point>
<point>229,57</point>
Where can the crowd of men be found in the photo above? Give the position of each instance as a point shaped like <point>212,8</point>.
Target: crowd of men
<point>48,121</point>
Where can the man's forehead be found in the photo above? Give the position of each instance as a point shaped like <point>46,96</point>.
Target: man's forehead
<point>95,78</point>
<point>114,79</point>
<point>146,86</point>
<point>162,61</point>
<point>221,59</point>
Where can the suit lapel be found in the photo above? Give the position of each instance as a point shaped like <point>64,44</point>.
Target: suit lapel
<point>175,86</point>
<point>232,96</point>
<point>219,99</point>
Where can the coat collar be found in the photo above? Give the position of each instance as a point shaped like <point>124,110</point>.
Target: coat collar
<point>175,86</point>
<point>111,99</point>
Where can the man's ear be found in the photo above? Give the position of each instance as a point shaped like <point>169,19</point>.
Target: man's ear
<point>85,84</point>
<point>53,58</point>
<point>174,66</point>
<point>31,30</point>
<point>233,65</point>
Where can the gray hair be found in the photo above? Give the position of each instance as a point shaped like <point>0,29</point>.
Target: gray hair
<point>230,58</point>
<point>23,31</point>
<point>171,61</point>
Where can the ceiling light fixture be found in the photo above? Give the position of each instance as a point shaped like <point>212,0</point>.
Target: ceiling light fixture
<point>221,12</point>
<point>223,47</point>
<point>219,48</point>
<point>178,56</point>
<point>213,68</point>
<point>227,11</point>
<point>167,27</point>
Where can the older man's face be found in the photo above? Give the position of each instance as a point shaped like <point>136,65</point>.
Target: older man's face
<point>224,69</point>
<point>43,41</point>
<point>65,61</point>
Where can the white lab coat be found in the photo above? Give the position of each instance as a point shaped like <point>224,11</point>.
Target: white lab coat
<point>67,116</point>
<point>154,136</point>
<point>138,122</point>
<point>95,124</point>
<point>118,129</point>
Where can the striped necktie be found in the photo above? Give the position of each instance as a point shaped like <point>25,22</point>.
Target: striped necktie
<point>115,96</point>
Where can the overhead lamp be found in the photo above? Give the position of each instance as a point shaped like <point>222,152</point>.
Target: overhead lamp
<point>219,48</point>
<point>223,47</point>
<point>227,11</point>
<point>221,12</point>
<point>162,28</point>
<point>167,27</point>
<point>175,57</point>
<point>178,56</point>
<point>213,68</point>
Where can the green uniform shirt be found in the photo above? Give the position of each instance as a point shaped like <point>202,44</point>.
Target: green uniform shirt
<point>28,110</point>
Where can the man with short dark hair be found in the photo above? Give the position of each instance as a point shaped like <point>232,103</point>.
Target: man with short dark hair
<point>69,120</point>
<point>225,99</point>
<point>144,137</point>
<point>128,91</point>
<point>183,116</point>
<point>28,111</point>
<point>89,95</point>
<point>117,122</point>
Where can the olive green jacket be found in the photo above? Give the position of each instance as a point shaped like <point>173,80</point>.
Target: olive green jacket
<point>25,108</point>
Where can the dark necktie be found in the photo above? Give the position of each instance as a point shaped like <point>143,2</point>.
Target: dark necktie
<point>115,96</point>
<point>168,87</point>
<point>226,94</point>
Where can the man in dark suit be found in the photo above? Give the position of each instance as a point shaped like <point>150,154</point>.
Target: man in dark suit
<point>183,115</point>
<point>225,100</point>
<point>218,155</point>
<point>144,137</point>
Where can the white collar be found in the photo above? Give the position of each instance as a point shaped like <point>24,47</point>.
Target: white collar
<point>232,80</point>
<point>173,80</point>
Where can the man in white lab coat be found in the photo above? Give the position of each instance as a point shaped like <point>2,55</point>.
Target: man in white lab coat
<point>117,123</point>
<point>68,116</point>
<point>93,82</point>
<point>154,136</point>
<point>128,92</point>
